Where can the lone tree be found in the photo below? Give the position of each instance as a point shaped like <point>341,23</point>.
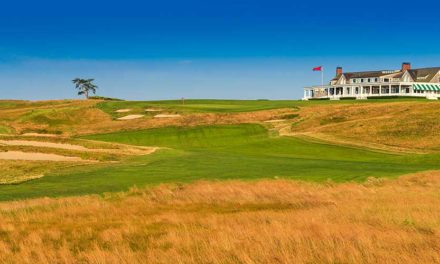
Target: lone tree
<point>85,86</point>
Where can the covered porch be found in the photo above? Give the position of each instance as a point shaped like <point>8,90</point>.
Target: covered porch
<point>335,92</point>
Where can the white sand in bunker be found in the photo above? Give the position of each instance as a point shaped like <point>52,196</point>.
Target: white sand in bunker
<point>130,117</point>
<point>39,135</point>
<point>19,155</point>
<point>42,144</point>
<point>166,116</point>
<point>123,110</point>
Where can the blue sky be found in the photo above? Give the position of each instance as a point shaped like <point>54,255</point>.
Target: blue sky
<point>205,49</point>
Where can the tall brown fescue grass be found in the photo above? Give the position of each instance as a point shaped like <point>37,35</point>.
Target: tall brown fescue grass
<point>16,171</point>
<point>381,221</point>
<point>409,125</point>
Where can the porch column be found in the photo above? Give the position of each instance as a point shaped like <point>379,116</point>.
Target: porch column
<point>380,90</point>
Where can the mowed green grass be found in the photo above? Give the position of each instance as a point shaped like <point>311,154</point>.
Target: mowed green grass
<point>224,106</point>
<point>245,152</point>
<point>192,105</point>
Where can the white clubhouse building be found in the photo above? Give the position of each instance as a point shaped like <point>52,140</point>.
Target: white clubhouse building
<point>423,82</point>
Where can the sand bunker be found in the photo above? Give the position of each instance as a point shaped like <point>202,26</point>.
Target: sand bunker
<point>42,144</point>
<point>18,155</point>
<point>122,149</point>
<point>130,117</point>
<point>123,110</point>
<point>39,135</point>
<point>166,116</point>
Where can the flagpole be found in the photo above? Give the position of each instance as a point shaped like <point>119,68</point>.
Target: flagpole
<point>322,77</point>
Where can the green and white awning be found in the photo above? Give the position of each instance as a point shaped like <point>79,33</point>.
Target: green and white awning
<point>426,87</point>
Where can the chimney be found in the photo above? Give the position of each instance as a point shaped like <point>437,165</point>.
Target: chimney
<point>338,71</point>
<point>406,66</point>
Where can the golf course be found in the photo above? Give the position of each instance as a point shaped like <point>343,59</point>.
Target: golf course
<point>217,160</point>
<point>246,151</point>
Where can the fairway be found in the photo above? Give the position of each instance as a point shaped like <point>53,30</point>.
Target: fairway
<point>244,152</point>
<point>226,106</point>
<point>215,106</point>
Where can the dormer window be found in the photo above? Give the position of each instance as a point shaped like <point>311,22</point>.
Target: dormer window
<point>353,81</point>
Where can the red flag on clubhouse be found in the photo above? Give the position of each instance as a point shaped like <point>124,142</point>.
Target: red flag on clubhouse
<point>317,68</point>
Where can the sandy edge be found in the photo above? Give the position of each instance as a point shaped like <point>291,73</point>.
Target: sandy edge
<point>130,117</point>
<point>166,116</point>
<point>34,156</point>
<point>43,144</point>
<point>123,110</point>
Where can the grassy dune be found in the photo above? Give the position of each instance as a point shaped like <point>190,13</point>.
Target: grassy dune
<point>88,152</point>
<point>380,221</point>
<point>411,125</point>
<point>51,117</point>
